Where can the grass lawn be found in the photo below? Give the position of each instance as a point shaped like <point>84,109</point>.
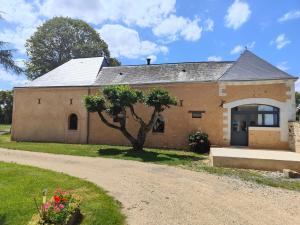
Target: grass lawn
<point>5,127</point>
<point>20,184</point>
<point>168,157</point>
<point>187,160</point>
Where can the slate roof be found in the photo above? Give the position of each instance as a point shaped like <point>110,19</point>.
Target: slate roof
<point>76,72</point>
<point>163,73</point>
<point>91,72</point>
<point>250,67</point>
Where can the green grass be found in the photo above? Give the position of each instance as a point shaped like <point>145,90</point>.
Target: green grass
<point>187,160</point>
<point>168,157</point>
<point>19,185</point>
<point>5,127</point>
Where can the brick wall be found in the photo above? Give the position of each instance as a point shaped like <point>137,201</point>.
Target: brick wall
<point>294,136</point>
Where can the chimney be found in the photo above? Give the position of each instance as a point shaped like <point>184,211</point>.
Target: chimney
<point>148,61</point>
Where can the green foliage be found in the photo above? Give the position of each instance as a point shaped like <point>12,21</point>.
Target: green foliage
<point>6,106</point>
<point>199,142</point>
<point>122,95</point>
<point>6,58</point>
<point>297,97</point>
<point>120,99</point>
<point>60,39</point>
<point>159,99</point>
<point>61,208</point>
<point>94,103</point>
<point>114,62</point>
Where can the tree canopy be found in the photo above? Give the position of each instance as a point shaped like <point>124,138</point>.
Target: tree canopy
<point>117,101</point>
<point>6,57</point>
<point>60,39</point>
<point>6,106</point>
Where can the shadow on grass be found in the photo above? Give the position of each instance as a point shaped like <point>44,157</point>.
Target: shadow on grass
<point>148,155</point>
<point>3,219</point>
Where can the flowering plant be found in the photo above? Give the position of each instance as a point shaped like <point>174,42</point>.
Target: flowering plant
<point>58,210</point>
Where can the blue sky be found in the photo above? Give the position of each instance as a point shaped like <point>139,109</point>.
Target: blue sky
<point>167,30</point>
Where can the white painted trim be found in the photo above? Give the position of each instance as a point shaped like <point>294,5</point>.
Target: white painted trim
<point>285,114</point>
<point>265,128</point>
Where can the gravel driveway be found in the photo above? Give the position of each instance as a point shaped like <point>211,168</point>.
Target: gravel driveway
<point>155,194</point>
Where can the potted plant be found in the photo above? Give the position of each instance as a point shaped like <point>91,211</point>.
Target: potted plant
<point>63,208</point>
<point>199,142</point>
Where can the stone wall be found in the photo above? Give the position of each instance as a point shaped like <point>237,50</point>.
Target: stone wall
<point>294,136</point>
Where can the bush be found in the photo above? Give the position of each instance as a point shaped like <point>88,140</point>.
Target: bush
<point>60,209</point>
<point>198,142</point>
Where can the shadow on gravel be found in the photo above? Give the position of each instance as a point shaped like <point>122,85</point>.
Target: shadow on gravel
<point>147,155</point>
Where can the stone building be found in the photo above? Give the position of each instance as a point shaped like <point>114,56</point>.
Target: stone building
<point>247,102</point>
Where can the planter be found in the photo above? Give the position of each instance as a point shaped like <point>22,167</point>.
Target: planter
<point>76,218</point>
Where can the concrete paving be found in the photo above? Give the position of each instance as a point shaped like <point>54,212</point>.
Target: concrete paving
<point>255,159</point>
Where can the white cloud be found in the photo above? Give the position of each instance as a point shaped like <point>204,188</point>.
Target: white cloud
<point>12,79</point>
<point>19,12</point>
<point>280,41</point>
<point>174,27</point>
<point>237,14</point>
<point>291,15</point>
<point>24,19</point>
<point>18,36</point>
<point>297,85</point>
<point>239,48</point>
<point>250,45</point>
<point>143,13</point>
<point>23,16</point>
<point>283,66</point>
<point>214,58</point>
<point>209,25</point>
<point>123,41</point>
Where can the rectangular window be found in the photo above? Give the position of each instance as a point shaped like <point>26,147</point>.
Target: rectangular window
<point>196,114</point>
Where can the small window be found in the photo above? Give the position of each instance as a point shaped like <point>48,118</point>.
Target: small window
<point>73,122</point>
<point>39,101</point>
<point>196,114</point>
<point>159,126</point>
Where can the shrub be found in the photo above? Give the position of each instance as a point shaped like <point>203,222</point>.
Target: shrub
<point>198,142</point>
<point>60,209</point>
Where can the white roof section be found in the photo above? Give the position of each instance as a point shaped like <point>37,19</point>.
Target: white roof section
<point>76,72</point>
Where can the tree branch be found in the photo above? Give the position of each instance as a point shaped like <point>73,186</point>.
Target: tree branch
<point>106,122</point>
<point>136,117</point>
<point>124,130</point>
<point>152,120</point>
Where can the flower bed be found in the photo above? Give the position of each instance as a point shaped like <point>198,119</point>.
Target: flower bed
<point>62,209</point>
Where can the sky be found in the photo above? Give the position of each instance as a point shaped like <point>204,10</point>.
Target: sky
<point>166,30</point>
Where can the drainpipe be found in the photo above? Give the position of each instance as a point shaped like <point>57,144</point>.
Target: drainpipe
<point>88,122</point>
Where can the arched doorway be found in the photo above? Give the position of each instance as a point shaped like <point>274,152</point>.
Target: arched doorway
<point>251,115</point>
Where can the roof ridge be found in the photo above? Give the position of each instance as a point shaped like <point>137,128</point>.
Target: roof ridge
<point>158,64</point>
<point>266,70</point>
<point>233,64</point>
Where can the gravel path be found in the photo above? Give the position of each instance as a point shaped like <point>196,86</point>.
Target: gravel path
<point>163,195</point>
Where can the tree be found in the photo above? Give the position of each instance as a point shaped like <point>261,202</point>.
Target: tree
<point>60,39</point>
<point>6,106</point>
<point>117,101</point>
<point>6,57</point>
<point>297,98</point>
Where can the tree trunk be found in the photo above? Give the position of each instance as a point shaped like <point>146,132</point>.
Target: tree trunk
<point>138,146</point>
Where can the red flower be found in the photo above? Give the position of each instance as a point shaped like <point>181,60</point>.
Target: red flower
<point>57,199</point>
